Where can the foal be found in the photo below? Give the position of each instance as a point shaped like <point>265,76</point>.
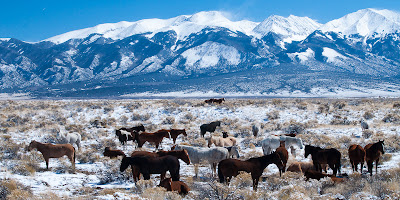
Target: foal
<point>356,155</point>
<point>231,167</point>
<point>178,186</point>
<point>283,153</point>
<point>54,151</point>
<point>175,132</point>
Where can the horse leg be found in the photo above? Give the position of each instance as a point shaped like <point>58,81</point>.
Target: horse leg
<point>162,176</point>
<point>47,163</point>
<point>334,168</point>
<point>352,165</point>
<point>376,165</point>
<point>214,169</point>
<point>369,164</point>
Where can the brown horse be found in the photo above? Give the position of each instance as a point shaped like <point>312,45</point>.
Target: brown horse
<point>209,127</point>
<point>54,151</point>
<point>175,132</point>
<point>155,137</point>
<point>182,154</point>
<point>231,167</point>
<point>113,153</point>
<point>324,156</point>
<point>372,153</point>
<point>153,165</point>
<point>178,186</point>
<point>284,155</point>
<point>356,155</point>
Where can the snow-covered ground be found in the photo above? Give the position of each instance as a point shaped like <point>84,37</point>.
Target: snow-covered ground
<point>328,123</point>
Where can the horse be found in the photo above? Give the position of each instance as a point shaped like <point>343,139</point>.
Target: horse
<point>324,156</point>
<point>54,151</point>
<point>153,165</point>
<point>175,132</point>
<point>124,136</point>
<point>233,152</point>
<point>231,167</point>
<point>318,175</point>
<point>356,155</point>
<point>255,130</point>
<point>203,154</point>
<point>135,128</point>
<point>113,153</point>
<point>71,138</point>
<point>182,155</point>
<point>209,127</point>
<point>372,153</point>
<point>284,154</point>
<point>301,167</point>
<point>219,101</point>
<point>273,142</point>
<point>178,186</point>
<point>221,142</point>
<point>155,137</point>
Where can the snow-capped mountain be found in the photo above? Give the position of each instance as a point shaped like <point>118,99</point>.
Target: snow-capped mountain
<point>207,51</point>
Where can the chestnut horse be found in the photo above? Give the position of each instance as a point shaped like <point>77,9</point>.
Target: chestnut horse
<point>54,151</point>
<point>178,186</point>
<point>324,156</point>
<point>155,137</point>
<point>284,154</point>
<point>356,155</point>
<point>182,154</point>
<point>175,132</point>
<point>231,167</point>
<point>372,153</point>
<point>113,153</point>
<point>153,165</point>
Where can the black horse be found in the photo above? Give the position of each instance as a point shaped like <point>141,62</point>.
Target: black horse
<point>153,165</point>
<point>209,127</point>
<point>324,156</point>
<point>372,153</point>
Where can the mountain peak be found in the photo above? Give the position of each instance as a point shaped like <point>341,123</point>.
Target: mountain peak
<point>365,22</point>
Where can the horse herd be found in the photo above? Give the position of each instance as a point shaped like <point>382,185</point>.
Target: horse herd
<point>224,155</point>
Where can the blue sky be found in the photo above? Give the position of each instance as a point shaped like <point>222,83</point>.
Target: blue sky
<point>34,20</point>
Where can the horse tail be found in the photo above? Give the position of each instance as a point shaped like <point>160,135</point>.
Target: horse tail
<point>220,174</point>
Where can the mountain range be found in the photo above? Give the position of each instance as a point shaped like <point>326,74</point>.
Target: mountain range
<point>356,55</point>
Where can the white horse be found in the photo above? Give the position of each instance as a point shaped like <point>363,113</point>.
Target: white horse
<point>222,142</point>
<point>70,138</point>
<point>273,142</point>
<point>199,155</point>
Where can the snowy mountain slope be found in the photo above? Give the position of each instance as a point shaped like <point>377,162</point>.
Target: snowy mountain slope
<point>160,54</point>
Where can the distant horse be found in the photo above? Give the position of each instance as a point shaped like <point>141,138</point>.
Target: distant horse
<point>182,155</point>
<point>324,156</point>
<point>233,152</point>
<point>113,153</point>
<point>255,130</point>
<point>273,142</point>
<point>155,137</point>
<point>284,155</point>
<point>231,167</point>
<point>135,128</point>
<point>124,136</point>
<point>175,132</point>
<point>356,155</point>
<point>203,154</point>
<point>372,153</point>
<point>209,127</point>
<point>71,138</point>
<point>153,165</point>
<point>221,142</point>
<point>54,151</point>
<point>178,186</point>
<point>219,101</point>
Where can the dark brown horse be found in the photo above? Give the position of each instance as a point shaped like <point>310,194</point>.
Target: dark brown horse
<point>324,156</point>
<point>135,128</point>
<point>356,155</point>
<point>178,186</point>
<point>372,153</point>
<point>124,136</point>
<point>209,127</point>
<point>231,167</point>
<point>182,154</point>
<point>155,137</point>
<point>175,132</point>
<point>113,153</point>
<point>284,155</point>
<point>153,165</point>
<point>54,151</point>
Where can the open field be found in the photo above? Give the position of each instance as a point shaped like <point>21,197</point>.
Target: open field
<point>328,123</point>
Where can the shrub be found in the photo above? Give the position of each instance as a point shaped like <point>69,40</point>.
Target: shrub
<point>391,118</point>
<point>273,115</point>
<point>368,115</point>
<point>339,105</point>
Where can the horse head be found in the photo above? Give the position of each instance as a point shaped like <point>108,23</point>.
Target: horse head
<point>276,159</point>
<point>186,157</point>
<point>124,164</point>
<point>307,150</point>
<point>32,145</point>
<point>166,183</point>
<point>381,145</point>
<point>141,127</point>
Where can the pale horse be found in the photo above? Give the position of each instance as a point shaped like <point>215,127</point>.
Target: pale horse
<point>200,155</point>
<point>71,138</point>
<point>221,142</point>
<point>271,143</point>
